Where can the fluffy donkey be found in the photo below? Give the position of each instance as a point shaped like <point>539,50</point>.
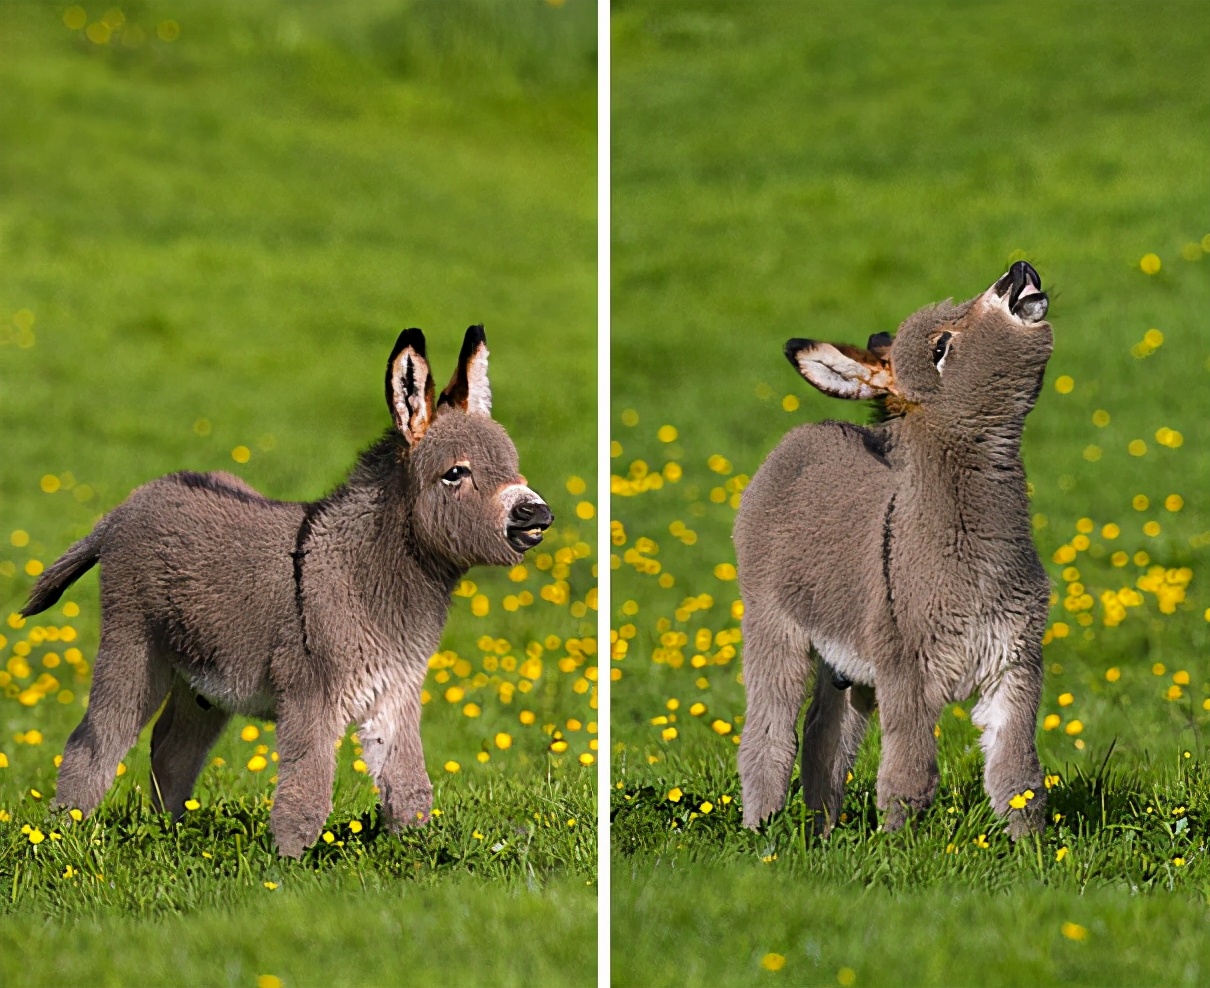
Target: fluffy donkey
<point>314,615</point>
<point>901,554</point>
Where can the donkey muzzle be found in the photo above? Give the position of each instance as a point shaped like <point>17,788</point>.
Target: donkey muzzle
<point>1023,286</point>
<point>526,524</point>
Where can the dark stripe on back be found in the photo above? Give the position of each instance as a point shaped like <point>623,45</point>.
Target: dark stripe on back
<point>875,441</point>
<point>212,485</point>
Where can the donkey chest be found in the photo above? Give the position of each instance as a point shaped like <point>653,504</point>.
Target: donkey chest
<point>973,656</point>
<point>965,624</point>
<point>383,668</point>
<point>376,681</point>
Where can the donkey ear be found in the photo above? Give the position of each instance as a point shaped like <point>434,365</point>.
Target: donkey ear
<point>469,389</point>
<point>841,370</point>
<point>880,345</point>
<point>410,386</point>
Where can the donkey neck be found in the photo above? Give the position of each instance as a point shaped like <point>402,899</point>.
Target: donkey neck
<point>365,525</point>
<point>971,473</point>
<point>987,444</point>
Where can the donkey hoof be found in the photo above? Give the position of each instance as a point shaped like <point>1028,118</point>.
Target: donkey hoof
<point>290,847</point>
<point>1027,822</point>
<point>900,813</point>
<point>819,824</point>
<point>411,808</point>
<point>294,835</point>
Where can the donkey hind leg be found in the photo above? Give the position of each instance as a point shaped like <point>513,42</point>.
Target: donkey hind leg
<point>129,682</point>
<point>183,736</point>
<point>835,726</point>
<point>1008,715</point>
<point>777,659</point>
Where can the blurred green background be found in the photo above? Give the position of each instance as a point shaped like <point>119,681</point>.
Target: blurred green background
<point>214,220</point>
<point>823,170</point>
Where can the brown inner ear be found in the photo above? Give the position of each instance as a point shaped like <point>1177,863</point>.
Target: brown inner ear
<point>457,392</point>
<point>879,373</point>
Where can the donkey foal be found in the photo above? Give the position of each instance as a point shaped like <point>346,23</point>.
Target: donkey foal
<point>317,615</point>
<point>902,555</point>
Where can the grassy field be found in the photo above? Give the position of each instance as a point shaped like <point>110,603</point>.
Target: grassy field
<point>823,170</point>
<point>214,221</point>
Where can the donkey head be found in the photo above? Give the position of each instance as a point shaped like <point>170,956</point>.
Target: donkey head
<point>983,358</point>
<point>470,504</point>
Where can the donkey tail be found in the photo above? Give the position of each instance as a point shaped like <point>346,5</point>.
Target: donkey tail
<point>68,568</point>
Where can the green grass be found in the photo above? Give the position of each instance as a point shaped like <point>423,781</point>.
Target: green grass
<point>948,935</point>
<point>824,170</point>
<point>212,242</point>
<point>382,934</point>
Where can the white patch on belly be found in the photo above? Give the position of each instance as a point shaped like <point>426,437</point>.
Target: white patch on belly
<point>845,659</point>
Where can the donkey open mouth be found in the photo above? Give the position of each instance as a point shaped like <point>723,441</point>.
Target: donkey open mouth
<point>527,523</point>
<point>1026,300</point>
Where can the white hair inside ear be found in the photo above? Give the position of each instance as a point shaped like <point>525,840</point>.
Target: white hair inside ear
<point>840,370</point>
<point>479,389</point>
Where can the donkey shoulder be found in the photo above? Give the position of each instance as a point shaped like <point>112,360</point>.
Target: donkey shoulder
<point>830,476</point>
<point>822,448</point>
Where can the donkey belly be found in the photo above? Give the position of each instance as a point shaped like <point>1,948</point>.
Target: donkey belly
<point>234,697</point>
<point>845,659</point>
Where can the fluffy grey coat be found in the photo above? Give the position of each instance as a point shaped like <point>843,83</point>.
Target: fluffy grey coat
<point>316,615</point>
<point>901,554</point>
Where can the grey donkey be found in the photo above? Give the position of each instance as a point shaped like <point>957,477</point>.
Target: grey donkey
<point>901,555</point>
<point>316,615</point>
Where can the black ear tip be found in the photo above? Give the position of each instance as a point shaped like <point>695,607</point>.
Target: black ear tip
<point>475,338</point>
<point>794,347</point>
<point>413,338</point>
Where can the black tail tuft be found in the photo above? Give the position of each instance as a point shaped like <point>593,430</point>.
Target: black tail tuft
<point>68,568</point>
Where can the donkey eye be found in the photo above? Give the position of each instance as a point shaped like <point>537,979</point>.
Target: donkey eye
<point>455,475</point>
<point>941,349</point>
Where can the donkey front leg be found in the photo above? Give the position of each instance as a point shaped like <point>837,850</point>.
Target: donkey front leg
<point>907,774</point>
<point>1008,715</point>
<point>390,739</point>
<point>776,662</point>
<point>307,732</point>
<point>835,726</point>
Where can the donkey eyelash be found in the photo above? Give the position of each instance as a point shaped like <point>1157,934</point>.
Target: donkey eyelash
<point>941,350</point>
